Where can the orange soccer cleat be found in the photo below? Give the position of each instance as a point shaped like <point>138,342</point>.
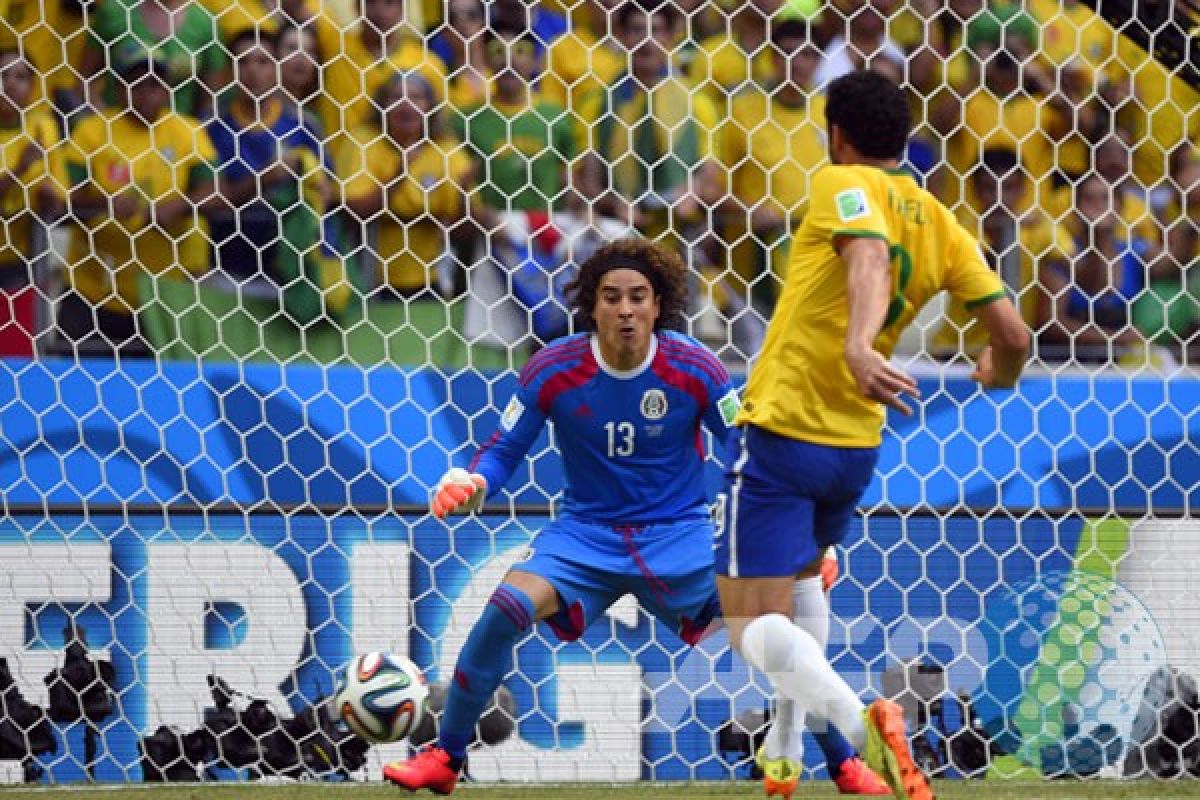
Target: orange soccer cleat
<point>780,775</point>
<point>887,751</point>
<point>428,769</point>
<point>855,777</point>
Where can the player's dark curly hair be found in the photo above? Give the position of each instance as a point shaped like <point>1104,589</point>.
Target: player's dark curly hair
<point>871,111</point>
<point>661,266</point>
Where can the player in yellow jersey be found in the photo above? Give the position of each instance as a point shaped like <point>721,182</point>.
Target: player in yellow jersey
<point>873,248</point>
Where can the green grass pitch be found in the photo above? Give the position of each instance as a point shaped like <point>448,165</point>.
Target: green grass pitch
<point>946,790</point>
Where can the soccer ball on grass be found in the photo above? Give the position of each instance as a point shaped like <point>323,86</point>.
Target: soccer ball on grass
<point>381,697</point>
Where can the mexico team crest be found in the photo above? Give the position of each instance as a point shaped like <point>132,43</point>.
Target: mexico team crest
<point>654,404</point>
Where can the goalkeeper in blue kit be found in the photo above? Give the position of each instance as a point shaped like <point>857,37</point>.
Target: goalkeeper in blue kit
<point>627,399</point>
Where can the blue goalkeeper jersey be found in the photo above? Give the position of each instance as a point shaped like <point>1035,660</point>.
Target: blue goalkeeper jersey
<point>631,443</point>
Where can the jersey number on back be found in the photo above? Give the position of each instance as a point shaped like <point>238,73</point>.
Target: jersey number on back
<point>899,302</point>
<point>620,438</point>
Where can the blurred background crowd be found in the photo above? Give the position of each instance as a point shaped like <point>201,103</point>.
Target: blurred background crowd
<point>414,181</point>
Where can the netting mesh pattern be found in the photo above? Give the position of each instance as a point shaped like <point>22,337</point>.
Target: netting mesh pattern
<point>266,269</point>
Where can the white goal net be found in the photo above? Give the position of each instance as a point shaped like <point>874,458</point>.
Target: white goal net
<point>268,268</point>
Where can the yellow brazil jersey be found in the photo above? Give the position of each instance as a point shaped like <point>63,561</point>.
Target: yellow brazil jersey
<point>235,16</point>
<point>352,74</point>
<point>771,151</point>
<point>464,91</point>
<point>721,67</point>
<point>410,237</point>
<point>51,38</point>
<point>1073,33</point>
<point>685,123</point>
<point>1021,123</point>
<point>113,152</point>
<point>1165,115</point>
<point>579,67</point>
<point>38,130</point>
<point>800,387</point>
<point>1040,241</point>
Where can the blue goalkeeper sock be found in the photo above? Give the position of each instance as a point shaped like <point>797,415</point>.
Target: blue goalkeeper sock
<point>484,661</point>
<point>835,747</point>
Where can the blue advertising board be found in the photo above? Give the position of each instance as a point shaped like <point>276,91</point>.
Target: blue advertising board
<point>84,432</point>
<point>919,589</point>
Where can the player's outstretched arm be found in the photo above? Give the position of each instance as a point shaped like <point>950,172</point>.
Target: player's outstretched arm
<point>1000,363</point>
<point>458,491</point>
<point>869,287</point>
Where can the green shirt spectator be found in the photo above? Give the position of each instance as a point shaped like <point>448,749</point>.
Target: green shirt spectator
<point>523,152</point>
<point>999,23</point>
<point>193,52</point>
<point>522,144</point>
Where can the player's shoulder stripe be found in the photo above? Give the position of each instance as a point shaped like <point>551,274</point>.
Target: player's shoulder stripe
<point>684,346</point>
<point>569,374</point>
<point>715,372</point>
<point>551,364</point>
<point>687,350</point>
<point>555,354</point>
<point>555,351</point>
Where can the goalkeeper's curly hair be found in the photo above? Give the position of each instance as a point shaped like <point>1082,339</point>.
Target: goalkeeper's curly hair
<point>662,267</point>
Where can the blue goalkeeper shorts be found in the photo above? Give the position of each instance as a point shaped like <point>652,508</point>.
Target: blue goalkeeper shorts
<point>668,567</point>
<point>787,501</point>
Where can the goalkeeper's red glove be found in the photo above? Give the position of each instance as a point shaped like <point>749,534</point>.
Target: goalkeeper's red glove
<point>829,569</point>
<point>458,490</point>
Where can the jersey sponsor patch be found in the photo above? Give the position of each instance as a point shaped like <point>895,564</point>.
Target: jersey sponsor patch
<point>728,406</point>
<point>512,413</point>
<point>851,204</point>
<point>654,404</point>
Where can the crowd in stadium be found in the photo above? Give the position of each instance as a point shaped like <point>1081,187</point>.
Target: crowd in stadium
<point>323,157</point>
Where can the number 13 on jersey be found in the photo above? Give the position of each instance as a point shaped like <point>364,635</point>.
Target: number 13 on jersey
<point>620,438</point>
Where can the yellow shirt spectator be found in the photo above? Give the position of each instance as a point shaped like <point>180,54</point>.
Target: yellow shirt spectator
<point>771,151</point>
<point>1162,113</point>
<point>424,193</point>
<point>652,140</point>
<point>720,67</point>
<point>235,16</point>
<point>32,152</point>
<point>50,39</point>
<point>1019,123</point>
<point>1071,32</point>
<point>117,153</point>
<point>579,66</point>
<point>353,73</point>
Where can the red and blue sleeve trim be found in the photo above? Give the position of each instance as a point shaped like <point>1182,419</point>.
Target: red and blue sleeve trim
<point>698,357</point>
<point>551,357</point>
